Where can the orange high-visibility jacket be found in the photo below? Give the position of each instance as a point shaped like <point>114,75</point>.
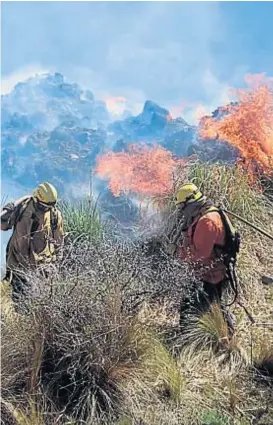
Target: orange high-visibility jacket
<point>199,247</point>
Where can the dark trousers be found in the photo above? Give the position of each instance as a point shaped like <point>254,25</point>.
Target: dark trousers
<point>20,287</point>
<point>200,301</point>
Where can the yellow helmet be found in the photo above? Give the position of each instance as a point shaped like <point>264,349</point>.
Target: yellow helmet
<point>46,194</point>
<point>187,193</point>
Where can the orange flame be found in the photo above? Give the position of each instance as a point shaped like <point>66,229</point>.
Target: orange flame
<point>142,170</point>
<point>248,126</point>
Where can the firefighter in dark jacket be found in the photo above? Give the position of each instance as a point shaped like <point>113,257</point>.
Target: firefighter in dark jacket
<point>37,236</point>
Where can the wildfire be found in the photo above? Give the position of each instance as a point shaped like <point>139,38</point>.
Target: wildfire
<point>248,124</point>
<point>142,170</point>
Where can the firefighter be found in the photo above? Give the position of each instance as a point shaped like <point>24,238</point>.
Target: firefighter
<point>208,239</point>
<point>37,237</point>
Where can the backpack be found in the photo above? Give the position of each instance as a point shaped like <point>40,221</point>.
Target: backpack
<point>20,209</point>
<point>232,240</point>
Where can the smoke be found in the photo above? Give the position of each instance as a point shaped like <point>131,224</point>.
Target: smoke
<point>9,82</point>
<point>217,93</point>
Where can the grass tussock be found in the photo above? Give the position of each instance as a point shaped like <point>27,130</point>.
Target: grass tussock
<point>82,219</point>
<point>209,331</point>
<point>7,308</point>
<point>74,354</point>
<point>225,184</point>
<point>262,351</point>
<point>230,187</point>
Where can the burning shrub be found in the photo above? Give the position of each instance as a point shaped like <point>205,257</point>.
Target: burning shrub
<point>247,125</point>
<point>143,170</point>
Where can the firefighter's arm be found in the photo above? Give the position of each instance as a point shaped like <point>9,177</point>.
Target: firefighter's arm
<point>204,239</point>
<point>8,213</point>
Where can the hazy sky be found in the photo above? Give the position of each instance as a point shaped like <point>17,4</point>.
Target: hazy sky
<point>166,51</point>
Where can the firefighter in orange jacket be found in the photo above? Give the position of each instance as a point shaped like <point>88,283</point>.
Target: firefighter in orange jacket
<point>203,242</point>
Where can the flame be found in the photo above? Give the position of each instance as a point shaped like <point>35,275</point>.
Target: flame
<point>248,124</point>
<point>256,80</point>
<point>142,170</point>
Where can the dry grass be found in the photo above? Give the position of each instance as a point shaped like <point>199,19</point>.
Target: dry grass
<point>6,303</point>
<point>102,343</point>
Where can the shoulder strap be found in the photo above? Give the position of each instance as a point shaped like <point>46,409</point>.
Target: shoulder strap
<point>233,237</point>
<point>229,229</point>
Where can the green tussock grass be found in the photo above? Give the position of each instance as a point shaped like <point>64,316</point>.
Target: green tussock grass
<point>82,218</point>
<point>230,187</point>
<point>226,185</point>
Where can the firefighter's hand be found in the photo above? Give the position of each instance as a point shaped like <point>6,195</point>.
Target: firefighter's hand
<point>171,248</point>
